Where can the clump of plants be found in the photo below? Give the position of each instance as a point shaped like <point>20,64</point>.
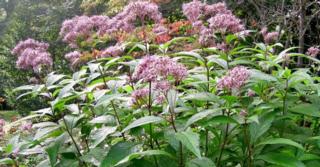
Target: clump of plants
<point>206,96</point>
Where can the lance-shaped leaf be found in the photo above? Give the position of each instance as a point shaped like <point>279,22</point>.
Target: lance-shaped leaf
<point>143,121</point>
<point>282,141</point>
<point>191,141</point>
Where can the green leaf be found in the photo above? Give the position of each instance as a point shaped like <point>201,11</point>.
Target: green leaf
<point>201,162</point>
<point>282,141</point>
<point>104,119</point>
<point>106,99</point>
<point>222,119</point>
<point>306,109</point>
<point>203,96</point>
<point>216,59</point>
<point>142,154</point>
<point>52,152</point>
<point>258,75</point>
<point>118,152</point>
<point>44,163</point>
<point>25,87</point>
<point>6,161</point>
<point>280,159</point>
<point>99,135</point>
<point>308,157</point>
<point>95,156</point>
<point>53,78</point>
<point>143,121</point>
<point>190,140</point>
<point>198,116</point>
<point>191,54</point>
<point>72,120</point>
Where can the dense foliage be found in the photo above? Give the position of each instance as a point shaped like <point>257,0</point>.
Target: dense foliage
<point>146,91</point>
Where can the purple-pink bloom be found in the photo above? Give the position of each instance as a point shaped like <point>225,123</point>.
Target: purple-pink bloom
<point>139,95</point>
<point>214,9</point>
<point>162,86</point>
<point>26,126</point>
<point>73,57</point>
<point>251,93</point>
<point>269,37</point>
<point>81,27</point>
<point>193,10</point>
<point>32,54</point>
<point>243,113</point>
<point>220,19</point>
<point>112,51</point>
<point>2,122</point>
<point>222,46</point>
<point>313,51</point>
<point>206,37</point>
<point>152,68</point>
<point>159,29</point>
<point>234,79</point>
<point>226,23</point>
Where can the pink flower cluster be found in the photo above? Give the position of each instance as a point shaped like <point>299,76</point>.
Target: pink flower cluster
<point>313,51</point>
<point>73,57</point>
<point>220,19</point>
<point>139,96</point>
<point>112,51</point>
<point>153,68</point>
<point>2,123</point>
<point>269,37</point>
<point>26,126</point>
<point>159,29</point>
<point>84,26</point>
<point>235,78</point>
<point>81,27</point>
<point>158,71</point>
<point>32,54</point>
<point>193,10</point>
<point>226,23</point>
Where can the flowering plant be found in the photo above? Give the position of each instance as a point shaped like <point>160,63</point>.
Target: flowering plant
<point>140,103</point>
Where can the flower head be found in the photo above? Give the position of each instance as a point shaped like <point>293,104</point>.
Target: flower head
<point>152,68</point>
<point>226,23</point>
<point>313,51</point>
<point>73,57</point>
<point>112,51</point>
<point>159,29</point>
<point>193,10</point>
<point>234,79</point>
<point>32,54</point>
<point>2,122</point>
<point>139,96</point>
<point>82,27</point>
<point>218,16</point>
<point>251,93</point>
<point>206,37</point>
<point>26,126</point>
<point>214,9</point>
<point>269,37</point>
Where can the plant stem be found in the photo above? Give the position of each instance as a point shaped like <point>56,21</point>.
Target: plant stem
<point>74,141</point>
<point>207,104</point>
<point>172,117</point>
<point>118,119</point>
<point>247,142</point>
<point>223,143</point>
<point>150,125</point>
<point>284,106</point>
